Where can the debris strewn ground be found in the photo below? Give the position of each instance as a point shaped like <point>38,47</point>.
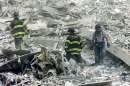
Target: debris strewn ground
<point>115,14</point>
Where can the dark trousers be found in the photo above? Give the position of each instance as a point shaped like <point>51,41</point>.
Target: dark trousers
<point>77,58</point>
<point>99,54</point>
<point>18,43</point>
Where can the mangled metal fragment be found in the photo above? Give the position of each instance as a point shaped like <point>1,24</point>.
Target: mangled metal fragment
<point>103,83</point>
<point>15,66</point>
<point>3,79</point>
<point>51,62</point>
<point>9,54</point>
<point>17,52</point>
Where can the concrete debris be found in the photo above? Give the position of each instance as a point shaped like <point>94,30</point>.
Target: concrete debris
<point>47,20</point>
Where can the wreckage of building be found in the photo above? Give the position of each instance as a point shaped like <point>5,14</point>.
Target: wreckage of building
<point>47,22</point>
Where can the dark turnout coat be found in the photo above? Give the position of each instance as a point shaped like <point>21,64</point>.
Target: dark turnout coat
<point>18,29</point>
<point>73,44</point>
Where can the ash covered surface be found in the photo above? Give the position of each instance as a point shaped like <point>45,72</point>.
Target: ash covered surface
<point>114,13</point>
<point>108,71</point>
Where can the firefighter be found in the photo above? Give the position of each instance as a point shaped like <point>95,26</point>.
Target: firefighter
<point>18,30</point>
<point>98,43</point>
<point>73,46</point>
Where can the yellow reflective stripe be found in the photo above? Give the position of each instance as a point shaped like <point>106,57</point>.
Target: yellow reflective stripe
<point>75,49</point>
<point>67,41</point>
<point>18,26</point>
<point>74,53</point>
<point>19,33</point>
<point>75,42</point>
<point>19,37</point>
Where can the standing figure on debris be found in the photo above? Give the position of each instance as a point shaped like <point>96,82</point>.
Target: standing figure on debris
<point>18,30</point>
<point>98,43</point>
<point>73,46</point>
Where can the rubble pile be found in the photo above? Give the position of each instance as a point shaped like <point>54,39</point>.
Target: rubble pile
<point>6,40</point>
<point>47,19</point>
<point>110,70</point>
